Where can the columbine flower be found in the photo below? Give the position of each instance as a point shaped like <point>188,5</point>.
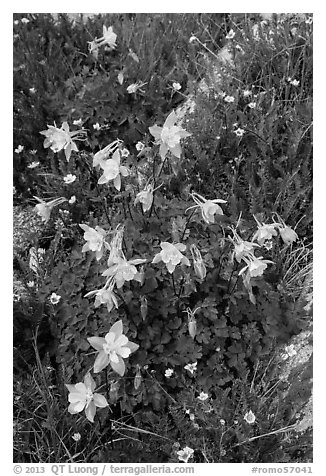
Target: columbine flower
<point>242,248</point>
<point>239,132</point>
<point>255,266</point>
<point>287,234</point>
<point>250,417</point>
<point>106,296</point>
<point>168,373</point>
<point>185,454</point>
<point>191,367</point>
<point>72,200</point>
<point>82,396</point>
<point>134,87</point>
<point>122,270</point>
<point>78,122</point>
<point>202,396</point>
<point>96,126</point>
<point>230,35</point>
<point>252,105</point>
<point>76,437</point>
<point>93,48</point>
<point>112,170</point>
<point>171,255</point>
<point>145,197</point>
<point>208,207</point>
<point>176,86</point>
<point>140,146</point>
<point>33,165</point>
<point>44,209</point>
<point>103,154</point>
<point>108,38</point>
<point>62,139</point>
<point>169,136</point>
<point>95,240</point>
<point>229,99</point>
<point>113,348</point>
<point>265,231</point>
<point>199,265</point>
<point>69,178</point>
<point>55,298</point>
<point>19,149</point>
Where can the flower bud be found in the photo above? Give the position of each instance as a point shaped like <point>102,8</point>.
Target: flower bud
<point>137,379</point>
<point>192,327</point>
<point>143,307</point>
<point>114,387</point>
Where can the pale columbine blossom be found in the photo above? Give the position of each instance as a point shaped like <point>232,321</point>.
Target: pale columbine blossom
<point>54,298</point>
<point>265,231</point>
<point>112,348</point>
<point>242,248</point>
<point>185,454</point>
<point>202,396</point>
<point>112,170</point>
<point>255,266</point>
<point>82,396</point>
<point>168,373</point>
<point>103,154</point>
<point>44,209</point>
<point>171,255</point>
<point>230,35</point>
<point>199,265</point>
<point>229,99</point>
<point>106,296</point>
<point>169,136</point>
<point>95,240</point>
<point>32,165</point>
<point>239,132</point>
<point>176,86</point>
<point>145,197</point>
<point>72,200</point>
<point>208,207</point>
<point>191,367</point>
<point>250,417</point>
<point>135,87</point>
<point>62,139</point>
<point>109,38</point>
<point>288,235</point>
<point>140,146</point>
<point>69,178</point>
<point>19,149</point>
<point>121,270</point>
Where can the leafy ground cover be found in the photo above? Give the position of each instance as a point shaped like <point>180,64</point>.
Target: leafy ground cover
<point>162,258</point>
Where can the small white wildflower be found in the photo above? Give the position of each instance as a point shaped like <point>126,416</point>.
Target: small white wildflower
<point>76,437</point>
<point>246,93</point>
<point>33,151</point>
<point>25,20</point>
<point>239,132</point>
<point>16,22</point>
<point>191,367</point>
<point>222,422</point>
<point>32,90</point>
<point>309,21</point>
<point>55,298</point>
<point>32,165</point>
<point>185,454</point>
<point>125,152</point>
<point>202,396</point>
<point>140,146</point>
<point>96,126</point>
<point>290,350</point>
<point>250,417</point>
<point>229,99</point>
<point>252,105</point>
<point>295,82</point>
<point>176,86</point>
<point>78,122</point>
<point>134,87</point>
<point>230,35</point>
<point>192,39</point>
<point>72,200</point>
<point>168,373</point>
<point>19,149</point>
<point>30,284</point>
<point>69,178</point>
